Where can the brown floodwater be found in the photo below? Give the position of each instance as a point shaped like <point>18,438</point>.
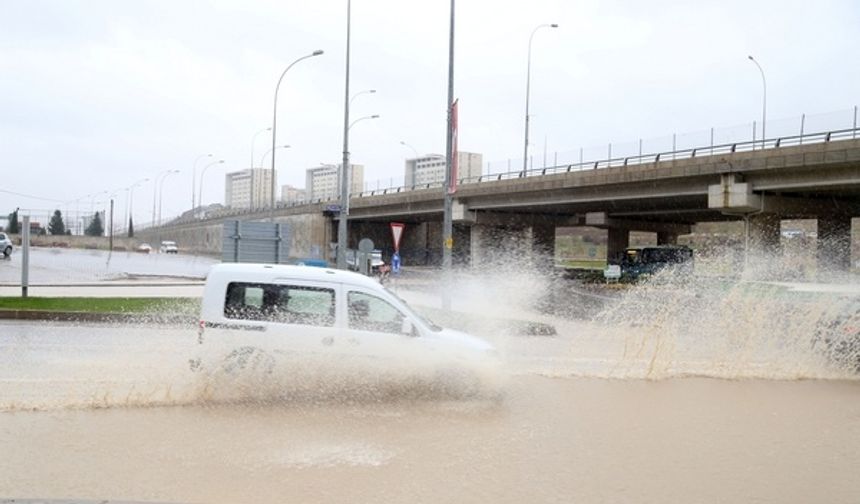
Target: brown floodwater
<point>727,405</point>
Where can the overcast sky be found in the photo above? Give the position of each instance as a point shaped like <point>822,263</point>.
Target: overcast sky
<point>96,95</point>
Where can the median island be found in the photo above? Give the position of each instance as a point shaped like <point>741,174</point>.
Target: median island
<point>167,309</point>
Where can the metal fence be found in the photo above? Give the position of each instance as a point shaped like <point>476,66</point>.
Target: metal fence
<point>803,129</point>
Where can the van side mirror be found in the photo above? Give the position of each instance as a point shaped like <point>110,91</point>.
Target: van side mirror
<point>407,328</point>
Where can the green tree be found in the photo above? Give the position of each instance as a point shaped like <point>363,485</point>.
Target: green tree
<point>96,228</point>
<point>14,226</point>
<point>130,228</point>
<point>57,226</point>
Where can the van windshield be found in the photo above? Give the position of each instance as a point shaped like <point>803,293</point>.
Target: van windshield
<point>429,323</point>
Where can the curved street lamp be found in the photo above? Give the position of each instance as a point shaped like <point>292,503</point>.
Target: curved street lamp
<point>262,159</point>
<point>129,204</point>
<point>763,101</point>
<point>194,177</point>
<point>375,116</point>
<point>155,190</point>
<point>253,142</point>
<point>161,192</point>
<point>275,120</point>
<point>528,91</point>
<point>200,194</point>
<point>356,95</point>
<point>413,148</point>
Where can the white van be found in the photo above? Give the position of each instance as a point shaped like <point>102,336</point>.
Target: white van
<point>297,317</point>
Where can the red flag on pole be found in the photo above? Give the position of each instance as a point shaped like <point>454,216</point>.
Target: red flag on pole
<point>452,183</point>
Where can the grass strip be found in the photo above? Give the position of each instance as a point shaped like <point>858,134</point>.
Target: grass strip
<point>102,304</point>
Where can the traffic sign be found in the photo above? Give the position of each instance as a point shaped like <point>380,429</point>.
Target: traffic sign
<point>397,234</point>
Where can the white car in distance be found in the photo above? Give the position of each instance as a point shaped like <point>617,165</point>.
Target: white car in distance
<point>5,245</point>
<point>169,247</point>
<point>290,325</point>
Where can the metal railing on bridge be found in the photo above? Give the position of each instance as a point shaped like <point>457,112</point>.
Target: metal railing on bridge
<point>609,161</point>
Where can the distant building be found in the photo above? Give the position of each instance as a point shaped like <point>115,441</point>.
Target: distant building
<point>290,194</point>
<point>323,182</point>
<point>430,169</point>
<point>249,188</point>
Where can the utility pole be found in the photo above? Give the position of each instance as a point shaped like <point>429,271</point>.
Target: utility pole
<point>447,221</point>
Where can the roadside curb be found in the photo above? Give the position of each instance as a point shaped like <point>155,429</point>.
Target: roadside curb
<point>72,316</point>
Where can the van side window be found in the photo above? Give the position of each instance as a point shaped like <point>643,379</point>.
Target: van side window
<point>370,313</point>
<point>288,304</point>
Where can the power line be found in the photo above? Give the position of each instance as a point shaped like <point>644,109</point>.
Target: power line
<point>30,196</point>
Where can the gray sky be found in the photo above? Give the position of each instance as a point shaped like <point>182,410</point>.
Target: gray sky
<point>95,95</point>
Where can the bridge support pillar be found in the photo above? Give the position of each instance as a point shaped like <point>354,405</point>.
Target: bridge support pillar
<point>498,247</point>
<point>667,238</point>
<point>834,243</point>
<point>618,239</point>
<point>763,234</point>
<point>543,246</point>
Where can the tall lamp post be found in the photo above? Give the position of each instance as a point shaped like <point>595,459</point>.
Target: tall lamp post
<point>345,177</point>
<point>253,142</point>
<point>262,161</point>
<point>409,146</point>
<point>161,192</point>
<point>194,179</point>
<point>763,101</point>
<point>448,205</point>
<point>200,194</point>
<point>412,169</point>
<point>129,207</point>
<point>528,91</point>
<point>275,122</point>
<point>155,190</point>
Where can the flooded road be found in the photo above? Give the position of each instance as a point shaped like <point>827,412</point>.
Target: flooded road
<point>113,412</point>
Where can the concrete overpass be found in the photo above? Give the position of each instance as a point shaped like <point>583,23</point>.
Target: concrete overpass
<point>814,176</point>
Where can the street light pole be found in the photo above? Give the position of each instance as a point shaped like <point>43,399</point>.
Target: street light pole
<point>447,220</point>
<point>413,148</point>
<point>155,192</point>
<point>200,196</point>
<point>263,159</point>
<point>275,123</point>
<point>253,142</point>
<point>194,179</point>
<point>129,211</point>
<point>763,102</point>
<point>161,192</point>
<point>342,229</point>
<point>528,91</point>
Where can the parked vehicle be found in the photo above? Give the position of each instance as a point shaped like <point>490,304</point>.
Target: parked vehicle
<point>376,261</point>
<point>5,245</point>
<point>144,248</point>
<point>261,318</point>
<point>169,247</point>
<point>644,261</point>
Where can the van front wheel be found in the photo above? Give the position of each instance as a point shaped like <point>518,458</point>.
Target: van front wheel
<point>249,359</point>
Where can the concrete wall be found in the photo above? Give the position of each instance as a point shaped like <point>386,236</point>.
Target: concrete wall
<point>77,241</point>
<point>308,236</point>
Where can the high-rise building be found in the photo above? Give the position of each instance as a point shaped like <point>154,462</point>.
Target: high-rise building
<point>249,188</point>
<point>323,182</point>
<point>430,169</point>
<point>290,194</point>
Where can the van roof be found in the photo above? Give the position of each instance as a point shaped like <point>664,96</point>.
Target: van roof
<point>253,272</point>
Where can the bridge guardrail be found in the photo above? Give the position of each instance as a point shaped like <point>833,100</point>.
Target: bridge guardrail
<point>672,155</point>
